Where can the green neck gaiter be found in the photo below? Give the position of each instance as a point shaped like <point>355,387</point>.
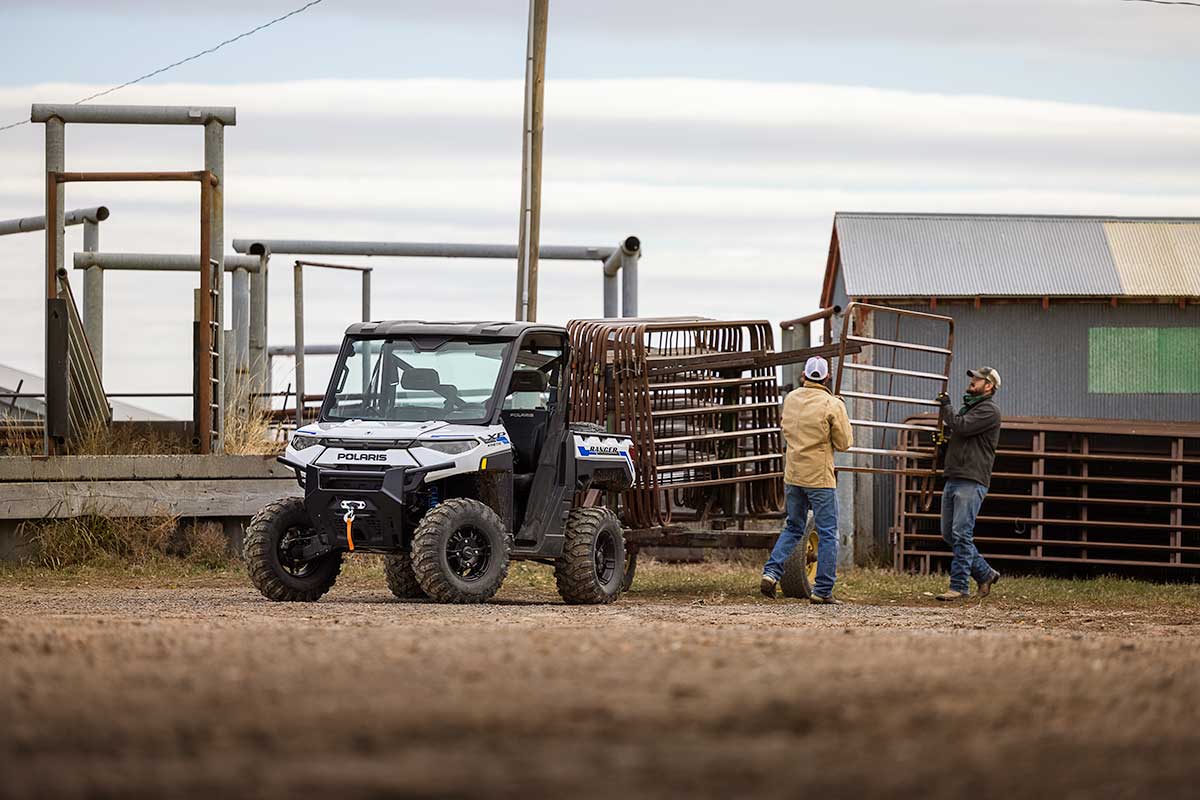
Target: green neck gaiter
<point>971,399</point>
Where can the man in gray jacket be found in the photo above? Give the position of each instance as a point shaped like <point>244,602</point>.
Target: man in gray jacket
<point>970,453</point>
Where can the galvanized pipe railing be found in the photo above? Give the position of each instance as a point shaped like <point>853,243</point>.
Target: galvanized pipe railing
<point>78,216</point>
<point>214,119</point>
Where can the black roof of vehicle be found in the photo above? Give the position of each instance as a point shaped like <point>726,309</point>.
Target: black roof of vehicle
<point>412,327</point>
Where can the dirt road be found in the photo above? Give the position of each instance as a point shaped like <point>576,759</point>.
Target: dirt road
<point>216,692</point>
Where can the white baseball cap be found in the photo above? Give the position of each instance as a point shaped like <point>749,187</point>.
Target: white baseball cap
<point>816,369</point>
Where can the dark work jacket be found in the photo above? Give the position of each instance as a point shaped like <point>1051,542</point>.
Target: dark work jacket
<point>974,433</point>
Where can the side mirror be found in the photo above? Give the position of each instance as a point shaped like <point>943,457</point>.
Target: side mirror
<point>420,380</point>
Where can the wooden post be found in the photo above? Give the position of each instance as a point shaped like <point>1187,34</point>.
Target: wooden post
<point>529,235</point>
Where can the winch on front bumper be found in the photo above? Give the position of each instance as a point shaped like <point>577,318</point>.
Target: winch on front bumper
<point>378,524</point>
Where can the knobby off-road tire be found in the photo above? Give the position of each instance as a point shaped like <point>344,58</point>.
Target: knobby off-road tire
<point>591,570</point>
<point>438,558</point>
<point>398,569</point>
<point>799,571</point>
<point>302,583</point>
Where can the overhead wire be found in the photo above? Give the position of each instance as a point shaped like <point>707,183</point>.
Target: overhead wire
<point>1166,2</point>
<point>205,52</point>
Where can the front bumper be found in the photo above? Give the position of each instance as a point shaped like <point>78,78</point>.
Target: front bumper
<point>380,524</point>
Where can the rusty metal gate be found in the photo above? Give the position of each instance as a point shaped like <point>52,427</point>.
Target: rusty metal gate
<point>701,405</point>
<point>1065,493</point>
<point>895,460</point>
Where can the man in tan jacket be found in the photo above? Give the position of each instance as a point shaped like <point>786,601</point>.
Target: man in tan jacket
<point>815,424</point>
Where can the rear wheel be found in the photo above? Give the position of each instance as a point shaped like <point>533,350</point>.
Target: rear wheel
<point>460,552</point>
<point>398,569</point>
<point>800,570</point>
<point>592,568</point>
<point>271,547</point>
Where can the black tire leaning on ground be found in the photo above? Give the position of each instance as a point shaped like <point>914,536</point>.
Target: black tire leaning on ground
<point>431,565</point>
<point>631,553</point>
<point>797,580</point>
<point>579,580</point>
<point>398,570</point>
<point>261,553</point>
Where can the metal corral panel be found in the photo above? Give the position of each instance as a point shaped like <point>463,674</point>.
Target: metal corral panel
<point>969,256</point>
<point>1156,258</point>
<point>1045,358</point>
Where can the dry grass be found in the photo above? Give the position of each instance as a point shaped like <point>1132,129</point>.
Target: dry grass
<point>204,545</point>
<point>18,440</point>
<point>99,439</point>
<point>248,430</point>
<point>203,558</point>
<point>109,541</point>
<point>110,545</point>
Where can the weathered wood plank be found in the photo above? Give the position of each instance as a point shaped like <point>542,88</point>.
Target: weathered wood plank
<point>139,468</point>
<point>187,498</point>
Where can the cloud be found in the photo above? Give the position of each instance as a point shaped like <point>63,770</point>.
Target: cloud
<point>731,185</point>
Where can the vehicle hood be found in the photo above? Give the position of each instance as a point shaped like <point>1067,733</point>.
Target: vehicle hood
<point>377,429</point>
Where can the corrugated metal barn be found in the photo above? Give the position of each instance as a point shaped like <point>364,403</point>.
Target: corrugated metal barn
<point>1086,318</point>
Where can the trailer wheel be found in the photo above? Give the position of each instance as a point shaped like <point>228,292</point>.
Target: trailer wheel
<point>460,552</point>
<point>268,549</point>
<point>398,570</point>
<point>591,570</point>
<point>800,570</point>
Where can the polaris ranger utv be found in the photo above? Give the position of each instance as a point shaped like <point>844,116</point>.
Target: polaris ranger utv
<point>446,447</point>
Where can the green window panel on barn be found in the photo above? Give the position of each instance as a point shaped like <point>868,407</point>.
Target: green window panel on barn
<point>1144,360</point>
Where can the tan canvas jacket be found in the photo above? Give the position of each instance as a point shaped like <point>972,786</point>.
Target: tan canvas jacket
<point>815,424</point>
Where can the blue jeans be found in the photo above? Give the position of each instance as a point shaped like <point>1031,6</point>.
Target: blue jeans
<point>960,505</point>
<point>825,516</point>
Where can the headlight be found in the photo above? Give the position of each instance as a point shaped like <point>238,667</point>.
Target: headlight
<point>450,448</point>
<point>300,442</point>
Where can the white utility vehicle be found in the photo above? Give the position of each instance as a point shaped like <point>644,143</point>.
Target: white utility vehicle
<point>447,448</point>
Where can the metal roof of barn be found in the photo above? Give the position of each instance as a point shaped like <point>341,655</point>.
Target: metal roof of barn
<point>998,255</point>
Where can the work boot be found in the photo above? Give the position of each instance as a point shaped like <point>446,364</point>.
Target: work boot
<point>824,600</point>
<point>951,595</point>
<point>767,587</point>
<point>985,586</point>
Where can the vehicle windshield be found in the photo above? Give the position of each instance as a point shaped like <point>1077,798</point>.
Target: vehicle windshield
<point>416,379</point>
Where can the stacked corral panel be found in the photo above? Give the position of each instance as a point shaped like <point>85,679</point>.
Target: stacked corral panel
<point>703,411</point>
<point>1108,493</point>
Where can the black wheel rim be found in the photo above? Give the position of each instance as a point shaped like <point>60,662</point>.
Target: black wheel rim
<point>605,554</point>
<point>289,547</point>
<point>468,553</point>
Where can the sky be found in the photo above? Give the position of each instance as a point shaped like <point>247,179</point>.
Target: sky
<point>724,134</point>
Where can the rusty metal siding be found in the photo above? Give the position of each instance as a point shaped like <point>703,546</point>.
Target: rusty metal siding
<point>1156,258</point>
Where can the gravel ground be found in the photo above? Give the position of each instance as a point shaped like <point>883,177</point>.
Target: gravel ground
<point>203,692</point>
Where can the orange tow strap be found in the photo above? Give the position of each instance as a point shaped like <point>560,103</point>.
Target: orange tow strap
<point>349,537</point>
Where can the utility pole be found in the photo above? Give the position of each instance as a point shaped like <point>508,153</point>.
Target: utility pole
<point>528,235</point>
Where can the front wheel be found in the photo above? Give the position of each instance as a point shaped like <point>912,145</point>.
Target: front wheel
<point>592,568</point>
<point>460,552</point>
<point>273,540</point>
